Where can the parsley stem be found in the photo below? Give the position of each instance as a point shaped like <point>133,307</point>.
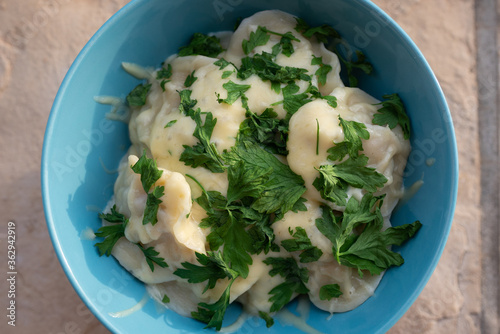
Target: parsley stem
<point>317,137</point>
<point>291,36</point>
<point>197,182</point>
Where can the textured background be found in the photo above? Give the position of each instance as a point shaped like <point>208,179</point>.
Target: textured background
<point>39,39</point>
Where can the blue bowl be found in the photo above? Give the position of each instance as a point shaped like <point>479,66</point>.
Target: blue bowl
<point>81,146</point>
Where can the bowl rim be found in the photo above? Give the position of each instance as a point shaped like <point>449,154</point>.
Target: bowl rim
<point>45,182</point>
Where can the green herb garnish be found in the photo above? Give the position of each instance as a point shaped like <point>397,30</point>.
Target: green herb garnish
<point>203,45</point>
<point>111,233</point>
<point>137,97</point>
<point>368,249</point>
<point>302,243</point>
<point>295,279</point>
<point>393,113</point>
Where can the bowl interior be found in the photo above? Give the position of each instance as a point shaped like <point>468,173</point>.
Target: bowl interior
<point>82,148</point>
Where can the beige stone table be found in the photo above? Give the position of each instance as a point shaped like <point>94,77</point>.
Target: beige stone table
<point>39,39</point>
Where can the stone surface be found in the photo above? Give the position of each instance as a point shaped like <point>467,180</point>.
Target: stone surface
<point>38,41</point>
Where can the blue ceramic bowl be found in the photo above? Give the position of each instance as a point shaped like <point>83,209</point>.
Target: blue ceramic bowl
<point>79,142</point>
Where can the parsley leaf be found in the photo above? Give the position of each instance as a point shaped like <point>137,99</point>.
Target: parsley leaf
<point>260,37</point>
<point>164,74</point>
<point>171,123</point>
<point>325,32</point>
<point>266,130</point>
<point>152,204</point>
<point>292,101</point>
<point>353,133</point>
<point>137,97</point>
<point>234,92</point>
<point>213,267</point>
<point>204,153</point>
<point>368,249</point>
<point>360,63</point>
<point>222,63</point>
<point>213,314</point>
<point>245,182</point>
<point>111,233</point>
<point>301,242</point>
<point>228,228</point>
<point>114,216</point>
<point>322,71</point>
<point>226,74</point>
<point>295,279</point>
<point>329,291</point>
<point>149,175</point>
<point>393,113</point>
<point>263,66</point>
<point>203,45</point>
<point>190,79</point>
<point>267,318</point>
<point>283,188</point>
<point>187,104</point>
<point>333,179</point>
<point>330,99</point>
<point>148,170</point>
<point>165,299</point>
<point>152,257</point>
<point>286,43</point>
<point>257,38</point>
<point>322,33</point>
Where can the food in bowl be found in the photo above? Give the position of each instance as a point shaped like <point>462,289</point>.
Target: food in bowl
<point>255,175</point>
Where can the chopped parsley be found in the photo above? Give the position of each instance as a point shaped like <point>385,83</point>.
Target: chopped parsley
<point>321,33</point>
<point>368,249</point>
<point>171,123</point>
<point>317,137</point>
<point>264,66</point>
<point>322,71</point>
<point>111,233</point>
<point>283,188</point>
<point>203,45</point>
<point>187,104</point>
<point>152,257</point>
<point>302,243</point>
<point>266,130</point>
<point>267,318</point>
<point>204,153</point>
<point>149,171</point>
<point>257,38</point>
<point>333,180</point>
<point>190,79</point>
<point>261,37</point>
<point>152,204</point>
<point>295,280</point>
<point>360,63</point>
<point>213,314</point>
<point>213,267</point>
<point>329,291</point>
<point>165,299</point>
<point>393,113</point>
<point>351,145</point>
<point>234,92</point>
<point>149,175</point>
<point>164,75</point>
<point>137,97</point>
